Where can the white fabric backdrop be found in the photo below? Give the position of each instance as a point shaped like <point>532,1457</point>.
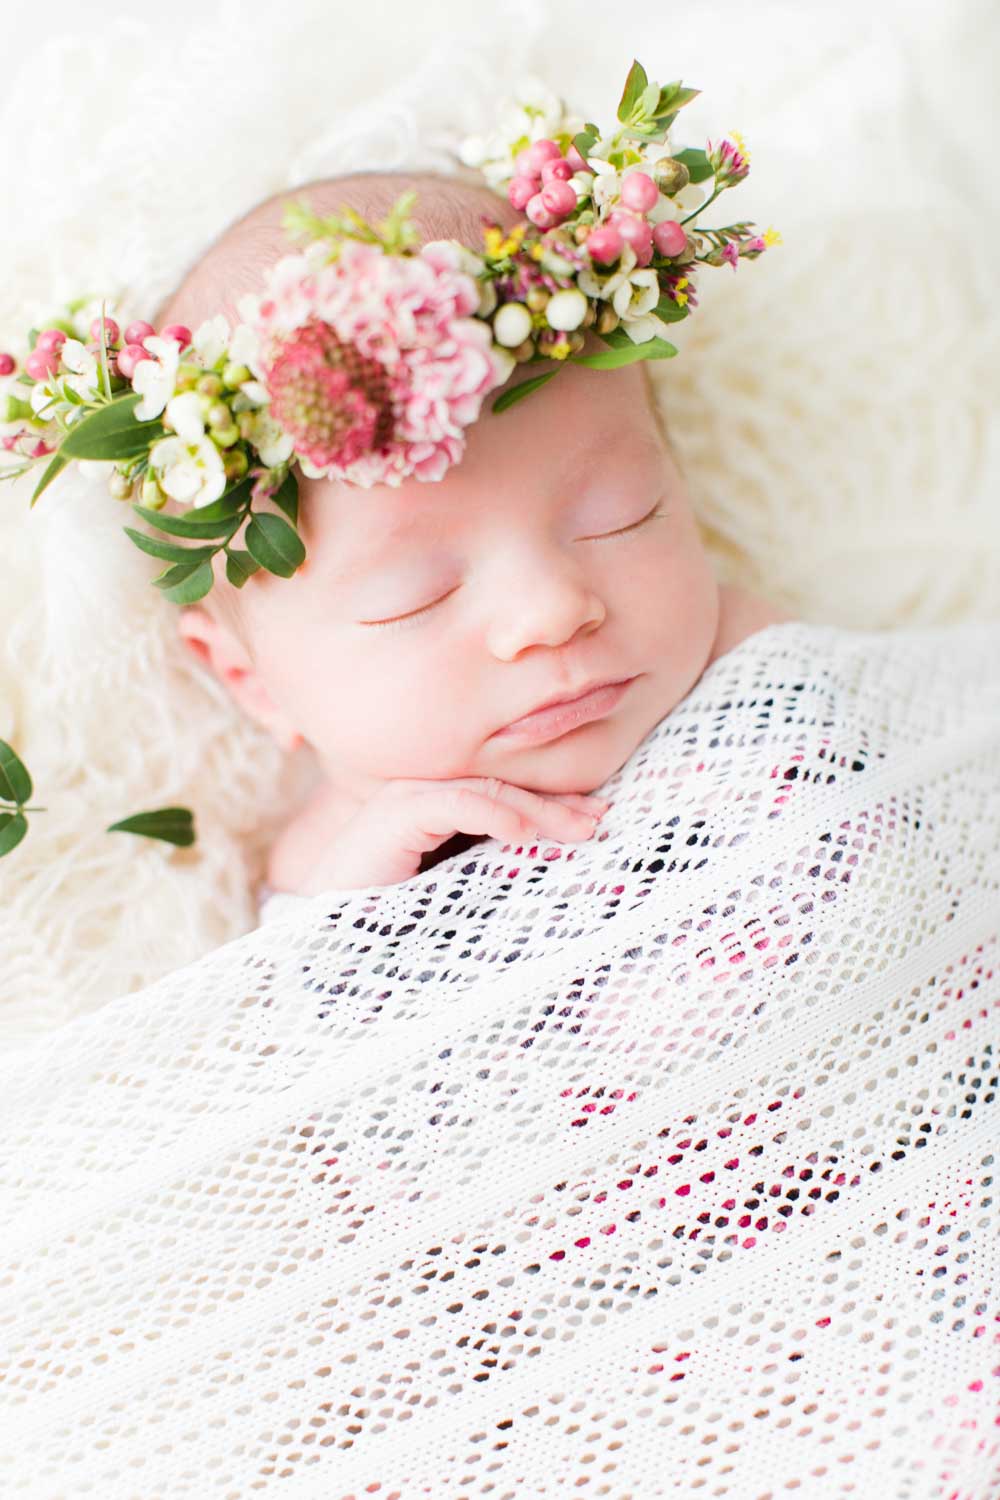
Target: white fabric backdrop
<point>835,403</point>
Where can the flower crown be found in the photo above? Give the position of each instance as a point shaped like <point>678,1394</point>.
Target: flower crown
<point>368,354</point>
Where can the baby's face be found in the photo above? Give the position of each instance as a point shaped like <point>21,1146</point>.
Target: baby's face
<point>561,550</point>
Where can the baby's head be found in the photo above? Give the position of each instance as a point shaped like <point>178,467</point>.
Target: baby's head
<point>560,551</point>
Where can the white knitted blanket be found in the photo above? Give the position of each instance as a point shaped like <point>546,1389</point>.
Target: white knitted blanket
<point>661,1164</point>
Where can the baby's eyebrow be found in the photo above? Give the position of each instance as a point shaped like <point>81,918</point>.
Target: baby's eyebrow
<point>605,445</point>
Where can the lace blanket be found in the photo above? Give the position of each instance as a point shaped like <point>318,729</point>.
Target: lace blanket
<point>661,1164</point>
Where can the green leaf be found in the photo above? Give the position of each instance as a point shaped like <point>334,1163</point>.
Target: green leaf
<point>696,162</point>
<point>57,464</point>
<point>239,566</point>
<point>634,85</point>
<point>171,551</point>
<point>174,825</point>
<point>516,392</point>
<point>228,503</point>
<point>648,99</point>
<point>584,142</point>
<point>274,544</point>
<point>112,432</point>
<point>673,97</point>
<point>625,354</point>
<point>286,497</point>
<point>669,311</point>
<point>15,783</point>
<point>185,583</point>
<point>181,526</point>
<point>13,827</point>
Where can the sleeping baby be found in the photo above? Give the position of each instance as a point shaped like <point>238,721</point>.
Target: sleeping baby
<point>471,658</point>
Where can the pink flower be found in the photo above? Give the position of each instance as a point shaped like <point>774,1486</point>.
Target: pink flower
<point>375,363</point>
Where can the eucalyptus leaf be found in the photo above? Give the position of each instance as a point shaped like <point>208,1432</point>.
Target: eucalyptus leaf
<point>112,432</point>
<point>190,584</point>
<point>625,354</point>
<point>15,782</point>
<point>516,392</point>
<point>13,827</point>
<point>175,825</point>
<point>274,544</point>
<point>171,551</point>
<point>56,465</point>
<point>239,566</point>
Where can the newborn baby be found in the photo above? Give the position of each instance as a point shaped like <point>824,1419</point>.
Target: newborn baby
<point>416,647</point>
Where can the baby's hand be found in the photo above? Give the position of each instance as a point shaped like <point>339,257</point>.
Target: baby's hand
<point>384,841</point>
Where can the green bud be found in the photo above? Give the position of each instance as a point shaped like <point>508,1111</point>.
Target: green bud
<point>225,437</point>
<point>524,351</point>
<point>13,410</point>
<point>245,423</point>
<point>119,486</point>
<point>235,463</point>
<point>537,299</point>
<point>209,385</point>
<point>670,175</point>
<point>187,376</point>
<point>219,415</point>
<point>607,319</point>
<point>234,375</point>
<point>153,498</point>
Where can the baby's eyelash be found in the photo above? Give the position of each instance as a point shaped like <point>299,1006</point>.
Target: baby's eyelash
<point>624,530</point>
<point>404,620</point>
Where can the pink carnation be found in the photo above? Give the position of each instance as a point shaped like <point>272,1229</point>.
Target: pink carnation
<point>375,363</point>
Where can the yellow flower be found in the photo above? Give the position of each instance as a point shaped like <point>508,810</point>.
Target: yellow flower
<point>771,237</point>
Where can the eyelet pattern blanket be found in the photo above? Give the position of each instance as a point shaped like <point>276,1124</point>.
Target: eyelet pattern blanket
<point>661,1164</point>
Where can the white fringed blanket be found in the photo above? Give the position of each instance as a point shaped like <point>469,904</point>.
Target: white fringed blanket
<point>662,1164</point>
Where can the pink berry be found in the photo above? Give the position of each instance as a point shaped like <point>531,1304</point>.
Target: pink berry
<point>522,164</point>
<point>669,237</point>
<point>110,330</point>
<point>605,245</point>
<point>540,152</point>
<point>129,356</point>
<point>639,192</point>
<point>50,338</point>
<point>7,364</point>
<point>539,212</point>
<point>178,331</point>
<point>520,190</point>
<point>559,197</point>
<point>41,363</point>
<point>557,169</point>
<point>635,232</point>
<point>137,331</point>
<point>576,161</point>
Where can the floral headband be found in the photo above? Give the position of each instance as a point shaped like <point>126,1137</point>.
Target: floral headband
<point>368,354</point>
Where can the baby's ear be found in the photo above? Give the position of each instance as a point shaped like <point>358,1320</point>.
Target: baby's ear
<point>214,643</point>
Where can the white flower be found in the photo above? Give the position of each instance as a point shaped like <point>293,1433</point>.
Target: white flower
<point>244,347</point>
<point>606,286</point>
<point>154,378</point>
<point>270,439</point>
<point>637,293</point>
<point>256,392</point>
<point>533,112</point>
<point>454,254</point>
<point>211,339</point>
<point>43,400</point>
<point>78,359</point>
<point>191,473</point>
<point>605,187</point>
<point>184,415</point>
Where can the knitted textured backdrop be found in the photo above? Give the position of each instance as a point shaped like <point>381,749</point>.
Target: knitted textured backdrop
<point>835,403</point>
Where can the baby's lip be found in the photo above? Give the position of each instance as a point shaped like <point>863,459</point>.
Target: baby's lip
<point>571,697</point>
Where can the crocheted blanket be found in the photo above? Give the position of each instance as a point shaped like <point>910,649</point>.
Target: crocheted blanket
<point>657,1164</point>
